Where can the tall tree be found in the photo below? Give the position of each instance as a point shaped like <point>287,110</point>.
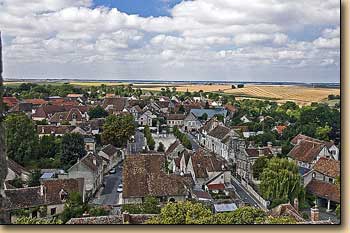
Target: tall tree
<point>280,180</point>
<point>117,130</point>
<point>72,149</point>
<point>21,138</point>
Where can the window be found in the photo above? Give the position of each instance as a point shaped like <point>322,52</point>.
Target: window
<point>330,180</point>
<point>53,211</point>
<point>313,175</point>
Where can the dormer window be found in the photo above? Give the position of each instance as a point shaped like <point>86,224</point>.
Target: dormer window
<point>74,116</point>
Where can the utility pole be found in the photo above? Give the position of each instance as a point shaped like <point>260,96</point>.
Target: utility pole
<point>3,163</point>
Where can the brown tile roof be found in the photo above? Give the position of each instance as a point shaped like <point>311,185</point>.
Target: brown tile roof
<point>64,102</point>
<point>143,175</point>
<point>53,129</point>
<point>110,150</point>
<point>328,167</point>
<point>10,101</point>
<point>254,152</point>
<point>172,147</point>
<point>45,110</point>
<point>24,198</point>
<point>58,117</point>
<point>306,151</point>
<point>118,103</point>
<point>219,132</point>
<point>210,125</point>
<point>301,137</point>
<point>203,162</point>
<point>88,160</point>
<point>22,107</point>
<point>163,104</point>
<point>54,187</point>
<point>201,194</point>
<point>286,210</point>
<point>216,186</point>
<point>324,190</point>
<point>16,168</point>
<point>176,117</point>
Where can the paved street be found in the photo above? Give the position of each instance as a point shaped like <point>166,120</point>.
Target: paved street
<point>109,194</point>
<point>136,146</point>
<point>193,141</point>
<point>244,195</point>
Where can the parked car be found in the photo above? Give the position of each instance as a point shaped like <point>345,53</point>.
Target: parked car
<point>119,190</point>
<point>112,171</point>
<point>120,186</point>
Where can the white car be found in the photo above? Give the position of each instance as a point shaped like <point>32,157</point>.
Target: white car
<point>113,171</point>
<point>119,190</point>
<point>120,186</point>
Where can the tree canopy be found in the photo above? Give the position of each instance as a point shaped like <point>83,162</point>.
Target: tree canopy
<point>280,180</point>
<point>117,130</point>
<point>72,149</point>
<point>21,138</point>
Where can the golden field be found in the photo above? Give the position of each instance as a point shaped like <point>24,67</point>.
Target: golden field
<point>301,94</point>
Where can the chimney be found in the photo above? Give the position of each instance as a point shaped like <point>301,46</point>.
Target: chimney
<point>126,217</point>
<point>296,204</point>
<point>315,214</point>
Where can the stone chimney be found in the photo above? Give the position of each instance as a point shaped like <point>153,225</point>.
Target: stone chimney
<point>296,204</point>
<point>315,214</point>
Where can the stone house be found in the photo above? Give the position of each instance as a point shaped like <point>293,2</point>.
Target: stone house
<point>15,170</point>
<point>191,123</point>
<point>90,167</point>
<point>307,151</point>
<point>111,155</point>
<point>146,118</point>
<point>245,160</point>
<point>321,182</point>
<point>46,200</point>
<point>175,120</point>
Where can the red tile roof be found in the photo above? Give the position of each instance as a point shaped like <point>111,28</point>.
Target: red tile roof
<point>324,190</point>
<point>36,101</point>
<point>10,101</point>
<point>280,128</point>
<point>216,186</point>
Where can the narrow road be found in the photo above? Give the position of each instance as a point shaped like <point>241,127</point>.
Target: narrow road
<point>109,194</point>
<point>245,196</point>
<point>193,140</point>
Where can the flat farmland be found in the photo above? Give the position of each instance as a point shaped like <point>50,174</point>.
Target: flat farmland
<point>302,95</point>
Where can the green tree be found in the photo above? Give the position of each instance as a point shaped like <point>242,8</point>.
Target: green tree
<point>323,132</point>
<point>72,149</point>
<point>281,180</point>
<point>97,112</point>
<point>182,213</point>
<point>73,208</point>
<point>259,166</point>
<point>21,138</point>
<point>34,178</point>
<point>160,147</point>
<point>117,130</point>
<point>48,147</point>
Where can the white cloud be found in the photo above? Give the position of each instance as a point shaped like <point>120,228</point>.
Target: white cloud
<point>221,34</point>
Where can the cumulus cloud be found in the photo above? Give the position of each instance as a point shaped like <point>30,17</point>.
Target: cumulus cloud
<point>200,38</point>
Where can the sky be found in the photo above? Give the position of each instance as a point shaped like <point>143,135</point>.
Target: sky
<point>251,40</point>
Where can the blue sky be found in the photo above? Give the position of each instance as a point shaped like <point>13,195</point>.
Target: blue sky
<point>143,8</point>
<point>255,40</point>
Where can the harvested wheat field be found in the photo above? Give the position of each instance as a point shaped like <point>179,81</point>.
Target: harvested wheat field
<point>300,94</point>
